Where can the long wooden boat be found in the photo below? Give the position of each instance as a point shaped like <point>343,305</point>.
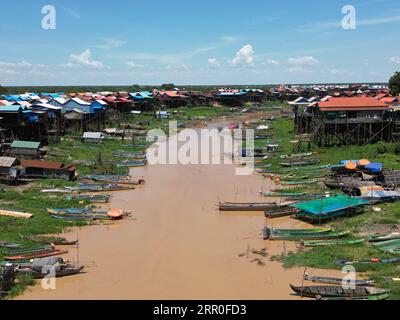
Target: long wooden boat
<point>377,297</point>
<point>380,238</point>
<point>302,231</point>
<point>28,251</point>
<point>69,211</point>
<point>296,156</point>
<point>58,241</point>
<point>15,214</point>
<point>9,245</point>
<point>99,188</point>
<point>89,198</point>
<point>49,253</point>
<point>300,163</point>
<point>114,179</point>
<point>131,164</point>
<point>63,272</point>
<point>124,154</point>
<point>337,291</point>
<point>283,194</point>
<point>271,235</point>
<point>331,243</point>
<point>231,206</point>
<point>279,212</point>
<point>298,182</point>
<point>339,281</point>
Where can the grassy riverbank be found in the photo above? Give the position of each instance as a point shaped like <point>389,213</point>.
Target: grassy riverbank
<point>325,257</point>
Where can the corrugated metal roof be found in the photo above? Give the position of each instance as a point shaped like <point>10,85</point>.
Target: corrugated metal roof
<point>25,144</point>
<point>41,164</point>
<point>92,135</point>
<point>7,162</point>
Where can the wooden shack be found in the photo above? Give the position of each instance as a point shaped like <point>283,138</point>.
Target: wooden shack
<point>44,169</point>
<point>26,149</point>
<point>9,168</point>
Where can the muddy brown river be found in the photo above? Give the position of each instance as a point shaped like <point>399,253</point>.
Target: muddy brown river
<point>180,246</point>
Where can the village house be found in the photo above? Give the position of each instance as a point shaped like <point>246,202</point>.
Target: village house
<point>26,149</point>
<point>93,137</point>
<point>9,168</point>
<point>44,169</point>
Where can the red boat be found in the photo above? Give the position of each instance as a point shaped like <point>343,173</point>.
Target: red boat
<point>36,255</point>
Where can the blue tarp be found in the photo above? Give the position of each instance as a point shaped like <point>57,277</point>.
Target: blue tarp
<point>374,167</point>
<point>344,162</point>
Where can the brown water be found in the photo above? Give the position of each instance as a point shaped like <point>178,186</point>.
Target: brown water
<point>180,246</point>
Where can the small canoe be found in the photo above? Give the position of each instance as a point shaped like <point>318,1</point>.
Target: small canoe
<point>300,163</point>
<point>298,182</point>
<point>302,231</point>
<point>380,238</point>
<point>296,156</point>
<point>331,243</point>
<point>378,297</point>
<point>337,291</point>
<point>9,245</point>
<point>283,194</point>
<point>339,281</point>
<point>63,272</point>
<point>15,214</point>
<point>28,251</point>
<point>99,188</point>
<point>89,198</point>
<point>269,234</point>
<point>230,206</point>
<point>131,164</point>
<point>69,211</point>
<point>279,212</point>
<point>45,254</point>
<point>50,240</point>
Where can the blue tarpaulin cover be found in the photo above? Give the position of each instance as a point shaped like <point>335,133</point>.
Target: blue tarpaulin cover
<point>374,167</point>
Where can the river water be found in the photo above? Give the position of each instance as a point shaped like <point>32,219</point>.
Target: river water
<point>180,246</point>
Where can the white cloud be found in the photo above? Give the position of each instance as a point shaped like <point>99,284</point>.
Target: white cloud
<point>229,39</point>
<point>273,62</point>
<point>84,59</point>
<point>110,44</point>
<point>133,65</point>
<point>213,63</point>
<point>303,61</point>
<point>244,57</point>
<point>298,70</point>
<point>395,60</point>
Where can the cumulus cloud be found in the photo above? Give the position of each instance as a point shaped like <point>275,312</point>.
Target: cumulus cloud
<point>244,57</point>
<point>213,63</point>
<point>133,65</point>
<point>110,44</point>
<point>13,68</point>
<point>303,61</point>
<point>84,59</point>
<point>395,60</point>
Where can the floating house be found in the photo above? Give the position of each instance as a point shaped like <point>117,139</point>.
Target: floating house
<point>9,168</point>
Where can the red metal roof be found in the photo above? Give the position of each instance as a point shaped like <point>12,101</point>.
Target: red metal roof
<point>353,104</point>
<point>41,164</point>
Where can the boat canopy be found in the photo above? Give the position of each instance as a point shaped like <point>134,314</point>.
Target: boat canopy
<point>329,204</point>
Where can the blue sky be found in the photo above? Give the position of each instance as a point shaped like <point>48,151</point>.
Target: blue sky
<point>198,42</point>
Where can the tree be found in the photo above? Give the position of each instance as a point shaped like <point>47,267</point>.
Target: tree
<point>168,86</point>
<point>394,84</point>
<point>134,88</point>
<point>2,90</point>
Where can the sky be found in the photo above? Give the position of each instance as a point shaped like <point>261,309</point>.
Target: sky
<point>205,42</point>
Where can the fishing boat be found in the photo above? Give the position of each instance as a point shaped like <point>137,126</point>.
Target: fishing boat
<point>69,211</point>
<point>99,188</point>
<point>9,245</point>
<point>15,214</point>
<point>381,238</point>
<point>123,154</point>
<point>114,179</point>
<point>297,156</point>
<point>89,198</point>
<point>378,297</point>
<point>131,164</point>
<point>342,263</point>
<point>337,291</point>
<point>62,272</point>
<point>339,281</point>
<point>300,163</point>
<point>43,254</point>
<point>331,243</point>
<point>390,246</point>
<point>283,194</point>
<point>298,182</point>
<point>281,211</point>
<point>271,234</point>
<point>49,240</point>
<point>231,206</point>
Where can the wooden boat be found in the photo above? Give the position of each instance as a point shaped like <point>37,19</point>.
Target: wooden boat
<point>298,182</point>
<point>337,291</point>
<point>282,194</point>
<point>270,234</point>
<point>380,238</point>
<point>9,245</point>
<point>300,163</point>
<point>378,297</point>
<point>63,272</point>
<point>331,243</point>
<point>131,164</point>
<point>89,198</point>
<point>282,211</point>
<point>338,281</point>
<point>99,188</point>
<point>296,156</point>
<point>28,251</point>
<point>302,231</point>
<point>342,263</point>
<point>15,214</point>
<point>44,254</point>
<point>123,154</point>
<point>50,240</point>
<point>230,206</point>
<point>69,211</point>
<point>74,218</point>
<point>114,179</point>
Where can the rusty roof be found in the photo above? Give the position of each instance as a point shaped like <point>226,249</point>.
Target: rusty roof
<point>41,164</point>
<point>353,104</point>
